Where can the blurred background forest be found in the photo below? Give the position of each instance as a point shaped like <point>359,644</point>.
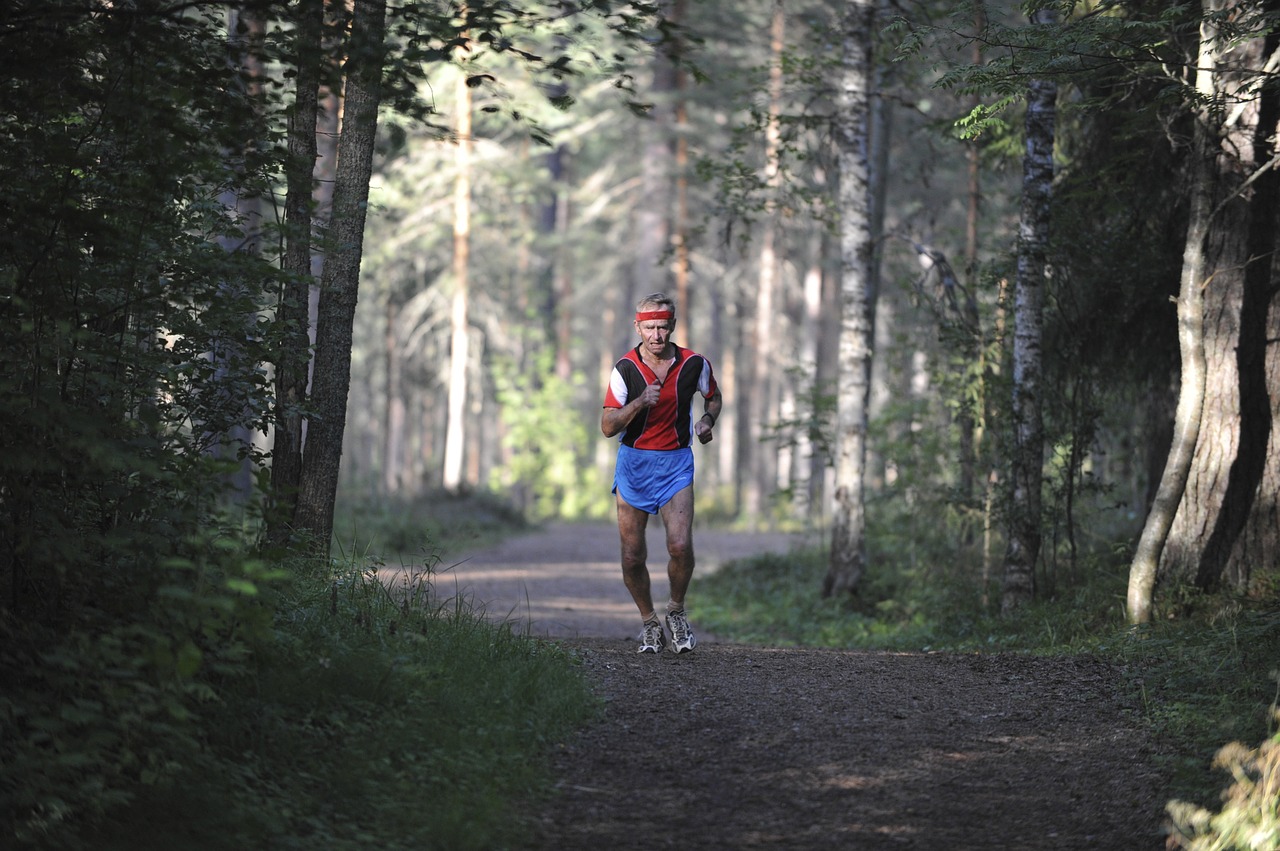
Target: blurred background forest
<point>720,191</point>
<point>281,274</point>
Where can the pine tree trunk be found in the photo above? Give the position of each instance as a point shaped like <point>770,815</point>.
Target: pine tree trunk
<point>293,314</point>
<point>680,237</point>
<point>246,31</point>
<point>1023,546</point>
<point>848,544</point>
<point>1256,556</point>
<point>1223,489</point>
<point>393,413</point>
<point>765,333</point>
<point>1214,517</point>
<point>459,322</point>
<point>340,282</point>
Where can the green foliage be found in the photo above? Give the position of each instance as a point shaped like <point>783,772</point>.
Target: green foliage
<point>377,713</point>
<point>1204,681</point>
<point>428,525</point>
<point>920,594</point>
<point>550,471</point>
<point>100,708</point>
<point>131,379</point>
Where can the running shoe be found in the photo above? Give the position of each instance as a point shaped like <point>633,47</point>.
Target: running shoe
<point>652,639</point>
<point>682,638</point>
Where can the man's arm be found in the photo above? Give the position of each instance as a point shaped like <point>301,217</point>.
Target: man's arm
<point>710,413</point>
<point>614,420</point>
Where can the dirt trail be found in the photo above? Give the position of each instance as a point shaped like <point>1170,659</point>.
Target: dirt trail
<point>565,581</point>
<point>738,747</point>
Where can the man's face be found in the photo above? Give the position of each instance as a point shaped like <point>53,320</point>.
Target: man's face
<point>654,333</point>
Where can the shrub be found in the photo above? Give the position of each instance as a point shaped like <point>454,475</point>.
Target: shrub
<point>1250,816</point>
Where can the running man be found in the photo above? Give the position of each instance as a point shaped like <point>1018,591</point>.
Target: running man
<point>650,404</point>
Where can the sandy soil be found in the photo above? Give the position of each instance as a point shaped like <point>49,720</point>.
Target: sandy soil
<point>739,747</point>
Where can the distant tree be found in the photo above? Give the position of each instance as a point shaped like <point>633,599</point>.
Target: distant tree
<point>459,320</point>
<point>1027,463</point>
<point>760,469</point>
<point>852,124</point>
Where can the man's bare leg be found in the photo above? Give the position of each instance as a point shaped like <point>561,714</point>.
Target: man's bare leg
<point>677,516</point>
<point>632,523</point>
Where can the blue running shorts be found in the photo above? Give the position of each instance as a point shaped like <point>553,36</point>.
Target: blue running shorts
<point>647,479</point>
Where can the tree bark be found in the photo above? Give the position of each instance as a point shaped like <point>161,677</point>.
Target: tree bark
<point>293,313</point>
<point>1023,546</point>
<point>680,237</point>
<point>1214,514</point>
<point>246,30</point>
<point>653,214</point>
<point>393,413</point>
<point>459,323</point>
<point>340,282</point>
<point>1228,558</point>
<point>848,543</point>
<point>765,334</point>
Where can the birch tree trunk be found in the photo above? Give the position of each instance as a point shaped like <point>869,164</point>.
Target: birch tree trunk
<point>459,325</point>
<point>341,279</point>
<point>1186,428</point>
<point>853,113</point>
<point>1023,546</point>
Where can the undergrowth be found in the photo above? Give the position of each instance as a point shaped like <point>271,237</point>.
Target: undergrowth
<point>433,524</point>
<point>1204,678</point>
<point>374,714</point>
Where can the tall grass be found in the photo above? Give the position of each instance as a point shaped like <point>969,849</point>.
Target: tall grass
<point>374,717</point>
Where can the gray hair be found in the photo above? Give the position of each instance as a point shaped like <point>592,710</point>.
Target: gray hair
<point>657,300</point>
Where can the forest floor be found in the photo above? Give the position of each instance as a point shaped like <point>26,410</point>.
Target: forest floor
<point>742,747</point>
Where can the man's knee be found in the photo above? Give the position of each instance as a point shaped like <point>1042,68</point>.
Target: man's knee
<point>680,549</point>
<point>633,558</point>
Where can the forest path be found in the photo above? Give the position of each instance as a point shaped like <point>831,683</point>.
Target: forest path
<point>565,580</point>
<point>739,747</point>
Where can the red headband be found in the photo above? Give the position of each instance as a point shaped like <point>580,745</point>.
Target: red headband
<point>655,314</point>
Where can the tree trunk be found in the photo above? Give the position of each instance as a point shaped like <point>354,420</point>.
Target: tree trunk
<point>848,544</point>
<point>459,323</point>
<point>765,335</point>
<point>680,237</point>
<point>293,314</point>
<point>246,31</point>
<point>653,214</point>
<point>1023,546</point>
<point>1238,371</point>
<point>563,276</point>
<point>1213,517</point>
<point>809,463</point>
<point>393,413</point>
<point>340,282</point>
<point>966,418</point>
